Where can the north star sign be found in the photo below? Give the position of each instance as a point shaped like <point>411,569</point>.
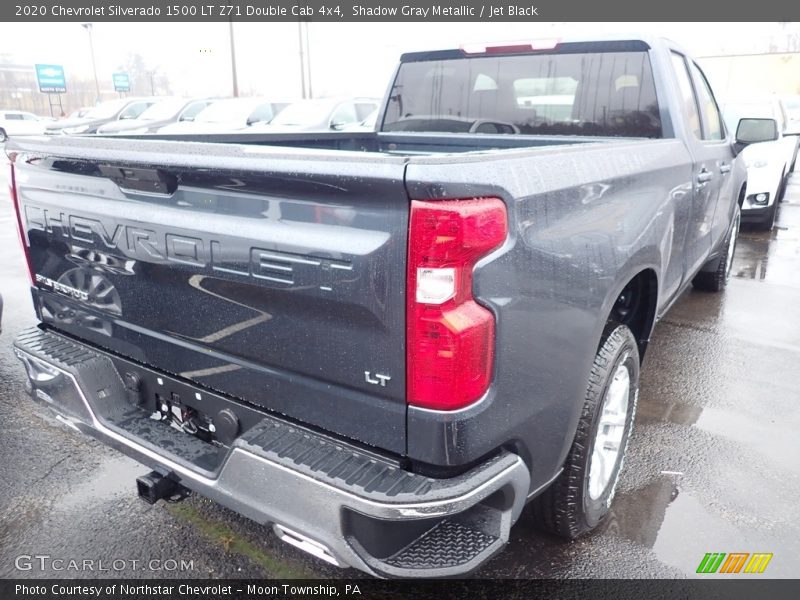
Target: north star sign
<point>51,79</point>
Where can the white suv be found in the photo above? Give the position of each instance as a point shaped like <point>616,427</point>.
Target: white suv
<point>17,122</point>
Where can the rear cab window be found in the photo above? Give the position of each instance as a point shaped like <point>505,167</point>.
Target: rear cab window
<point>591,93</point>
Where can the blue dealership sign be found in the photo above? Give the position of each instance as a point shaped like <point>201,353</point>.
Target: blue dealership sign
<point>51,79</point>
<point>122,83</point>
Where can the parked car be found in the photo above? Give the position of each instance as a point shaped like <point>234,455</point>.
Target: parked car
<point>232,114</point>
<point>160,114</point>
<point>18,122</point>
<point>386,343</point>
<point>368,124</point>
<point>768,163</point>
<point>79,113</point>
<point>106,112</point>
<point>321,114</point>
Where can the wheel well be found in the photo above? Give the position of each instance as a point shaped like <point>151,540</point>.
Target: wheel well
<point>636,307</point>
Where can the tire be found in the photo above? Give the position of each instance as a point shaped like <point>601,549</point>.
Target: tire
<point>575,503</point>
<point>3,136</point>
<point>716,280</point>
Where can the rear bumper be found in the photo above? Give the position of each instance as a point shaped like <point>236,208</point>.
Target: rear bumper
<point>342,503</point>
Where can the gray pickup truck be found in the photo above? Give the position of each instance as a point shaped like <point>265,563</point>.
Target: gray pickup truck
<point>385,344</point>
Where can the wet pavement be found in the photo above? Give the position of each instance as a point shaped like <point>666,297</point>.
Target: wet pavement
<point>712,465</point>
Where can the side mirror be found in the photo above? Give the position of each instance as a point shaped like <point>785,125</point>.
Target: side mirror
<point>755,131</point>
<point>338,125</point>
<point>189,118</point>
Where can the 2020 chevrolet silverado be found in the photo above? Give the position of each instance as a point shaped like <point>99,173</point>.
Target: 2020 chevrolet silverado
<point>386,343</point>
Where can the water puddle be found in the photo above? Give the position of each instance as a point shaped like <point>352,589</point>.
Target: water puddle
<point>113,478</point>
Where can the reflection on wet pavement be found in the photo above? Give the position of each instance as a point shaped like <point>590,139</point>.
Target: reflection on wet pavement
<point>773,256</point>
<point>113,478</point>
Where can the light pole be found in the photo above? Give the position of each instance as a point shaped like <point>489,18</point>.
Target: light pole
<point>233,62</point>
<point>305,59</point>
<point>301,47</point>
<point>88,27</point>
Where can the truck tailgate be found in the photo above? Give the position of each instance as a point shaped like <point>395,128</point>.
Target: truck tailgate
<point>272,275</point>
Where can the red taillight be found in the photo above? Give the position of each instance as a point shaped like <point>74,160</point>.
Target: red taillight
<point>450,337</point>
<point>20,229</point>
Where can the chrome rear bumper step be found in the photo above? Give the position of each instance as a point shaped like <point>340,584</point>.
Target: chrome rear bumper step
<point>335,500</point>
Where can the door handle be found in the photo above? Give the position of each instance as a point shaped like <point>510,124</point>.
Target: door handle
<point>724,168</point>
<point>704,176</point>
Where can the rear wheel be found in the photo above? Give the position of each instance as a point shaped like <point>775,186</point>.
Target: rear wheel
<point>3,136</point>
<point>579,499</point>
<point>715,281</point>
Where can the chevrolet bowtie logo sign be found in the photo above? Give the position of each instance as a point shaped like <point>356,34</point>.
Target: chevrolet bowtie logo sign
<point>735,562</point>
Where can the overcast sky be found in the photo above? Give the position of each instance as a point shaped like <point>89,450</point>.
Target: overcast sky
<point>351,58</point>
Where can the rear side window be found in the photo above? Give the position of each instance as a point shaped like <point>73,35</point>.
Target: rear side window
<point>708,105</point>
<point>593,94</point>
<point>13,116</point>
<point>688,100</point>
